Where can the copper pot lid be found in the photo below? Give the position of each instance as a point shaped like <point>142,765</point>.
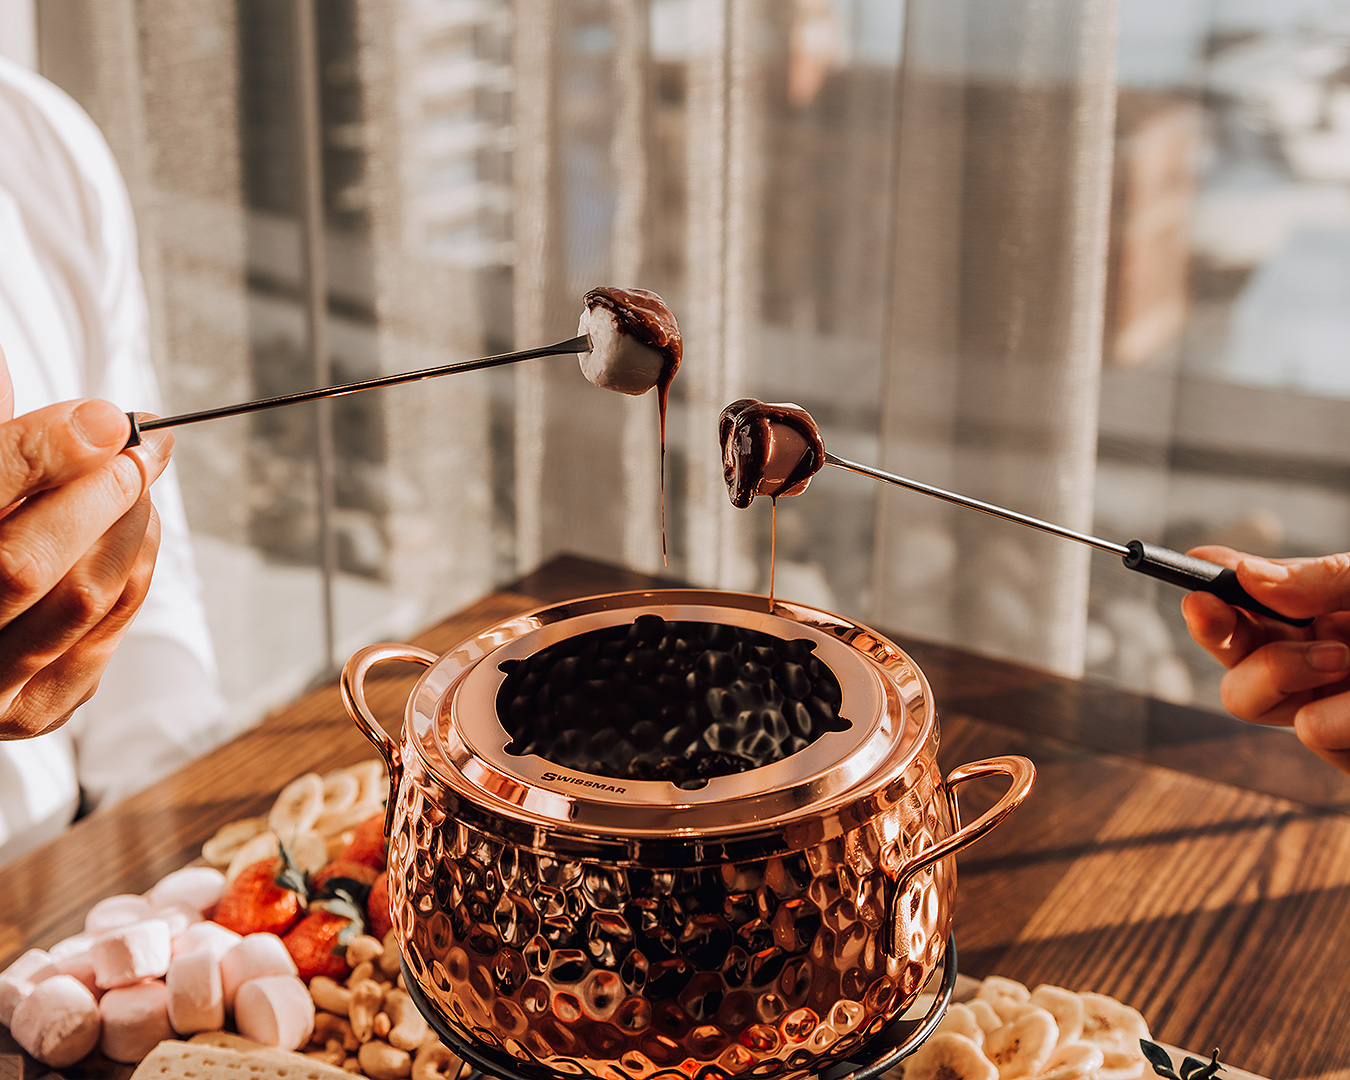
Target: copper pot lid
<point>474,719</point>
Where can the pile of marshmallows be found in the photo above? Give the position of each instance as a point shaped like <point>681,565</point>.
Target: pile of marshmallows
<point>147,967</point>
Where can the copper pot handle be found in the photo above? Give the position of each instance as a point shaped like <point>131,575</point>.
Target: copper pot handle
<point>1023,775</point>
<point>353,686</point>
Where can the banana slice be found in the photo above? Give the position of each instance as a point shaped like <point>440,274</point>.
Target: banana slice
<point>985,1015</point>
<point>309,851</point>
<point>297,807</point>
<point>947,1056</point>
<point>1065,1006</point>
<point>960,1019</point>
<point>1073,1061</point>
<point>1133,1071</point>
<point>341,790</point>
<point>334,843</point>
<point>229,838</point>
<point>1007,996</point>
<point>1115,1029</point>
<point>337,824</point>
<point>263,846</point>
<point>1023,1047</point>
<point>370,774</point>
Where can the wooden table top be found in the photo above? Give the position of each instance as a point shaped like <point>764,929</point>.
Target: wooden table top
<point>1192,866</point>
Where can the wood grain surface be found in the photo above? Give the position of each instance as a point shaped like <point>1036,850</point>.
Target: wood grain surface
<point>1192,866</point>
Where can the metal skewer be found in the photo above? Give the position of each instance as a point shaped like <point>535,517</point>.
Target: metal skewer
<point>572,345</point>
<point>1154,560</point>
<point>976,504</point>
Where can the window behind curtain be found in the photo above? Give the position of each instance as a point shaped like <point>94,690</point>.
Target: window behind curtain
<point>936,225</point>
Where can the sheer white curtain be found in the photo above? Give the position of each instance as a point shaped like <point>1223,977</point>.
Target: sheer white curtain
<point>913,245</point>
<point>893,214</point>
<point>993,349</point>
<point>196,101</point>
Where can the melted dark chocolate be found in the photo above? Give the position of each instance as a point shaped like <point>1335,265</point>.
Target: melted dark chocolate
<point>669,700</point>
<point>644,316</point>
<point>745,430</point>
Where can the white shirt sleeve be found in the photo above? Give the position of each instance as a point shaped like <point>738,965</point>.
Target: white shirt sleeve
<point>75,305</point>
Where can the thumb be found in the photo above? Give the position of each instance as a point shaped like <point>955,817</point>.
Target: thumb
<point>1302,588</point>
<point>6,391</point>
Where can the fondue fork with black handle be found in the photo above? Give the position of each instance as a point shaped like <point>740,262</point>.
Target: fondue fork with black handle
<point>1174,567</point>
<point>572,345</point>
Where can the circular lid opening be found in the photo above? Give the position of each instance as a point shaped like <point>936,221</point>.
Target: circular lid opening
<point>674,714</point>
<point>674,700</point>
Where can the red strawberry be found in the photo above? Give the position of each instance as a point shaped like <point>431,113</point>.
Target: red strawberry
<point>263,899</point>
<point>318,946</point>
<point>343,868</point>
<point>367,845</point>
<point>377,907</point>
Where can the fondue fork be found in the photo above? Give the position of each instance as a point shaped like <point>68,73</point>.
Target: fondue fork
<point>572,345</point>
<point>1174,567</point>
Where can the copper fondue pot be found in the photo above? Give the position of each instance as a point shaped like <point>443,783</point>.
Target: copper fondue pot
<point>762,923</point>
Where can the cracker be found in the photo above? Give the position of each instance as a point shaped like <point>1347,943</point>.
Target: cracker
<point>241,1060</point>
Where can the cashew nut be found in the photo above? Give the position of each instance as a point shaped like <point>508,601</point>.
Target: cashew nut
<point>329,995</point>
<point>352,1065</point>
<point>434,1062</point>
<point>366,998</point>
<point>409,1029</point>
<point>334,1055</point>
<point>363,948</point>
<point>380,1061</point>
<point>388,959</point>
<point>361,972</point>
<point>382,1025</point>
<point>329,1028</point>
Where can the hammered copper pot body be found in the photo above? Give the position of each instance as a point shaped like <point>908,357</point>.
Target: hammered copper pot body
<point>762,925</point>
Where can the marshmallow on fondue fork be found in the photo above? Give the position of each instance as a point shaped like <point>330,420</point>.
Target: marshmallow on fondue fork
<point>635,345</point>
<point>635,340</point>
<point>768,449</point>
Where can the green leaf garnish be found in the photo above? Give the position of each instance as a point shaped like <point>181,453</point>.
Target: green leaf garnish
<point>344,888</point>
<point>1191,1068</point>
<point>1159,1058</point>
<point>345,897</point>
<point>291,876</point>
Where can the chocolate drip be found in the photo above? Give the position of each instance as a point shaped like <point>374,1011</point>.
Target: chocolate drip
<point>644,316</point>
<point>745,429</point>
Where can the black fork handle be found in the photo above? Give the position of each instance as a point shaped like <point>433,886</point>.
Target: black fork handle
<point>1199,575</point>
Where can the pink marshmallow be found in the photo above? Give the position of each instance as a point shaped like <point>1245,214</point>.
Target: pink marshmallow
<point>114,911</point>
<point>275,1010</point>
<point>58,1022</point>
<point>196,993</point>
<point>74,956</point>
<point>255,956</point>
<point>199,887</point>
<point>179,916</point>
<point>71,946</point>
<point>216,939</point>
<point>135,1021</point>
<point>131,953</point>
<point>17,980</point>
